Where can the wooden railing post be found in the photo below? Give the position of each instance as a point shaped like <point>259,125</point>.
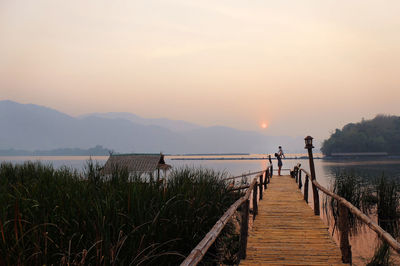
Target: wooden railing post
<point>261,187</point>
<point>345,247</point>
<point>255,205</point>
<point>297,175</point>
<point>300,182</point>
<point>271,172</point>
<point>316,199</point>
<point>265,179</point>
<point>244,230</point>
<point>306,189</point>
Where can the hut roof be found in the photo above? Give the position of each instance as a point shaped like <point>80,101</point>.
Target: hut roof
<point>142,163</point>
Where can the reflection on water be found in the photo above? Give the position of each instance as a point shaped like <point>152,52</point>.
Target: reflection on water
<point>368,170</point>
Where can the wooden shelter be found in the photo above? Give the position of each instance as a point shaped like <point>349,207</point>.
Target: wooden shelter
<point>137,164</point>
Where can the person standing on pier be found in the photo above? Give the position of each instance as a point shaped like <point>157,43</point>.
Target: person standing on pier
<point>279,155</point>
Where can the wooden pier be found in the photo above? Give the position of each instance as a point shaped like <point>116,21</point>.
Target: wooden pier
<point>286,231</point>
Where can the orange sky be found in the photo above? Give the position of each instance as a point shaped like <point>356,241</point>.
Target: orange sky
<point>305,67</point>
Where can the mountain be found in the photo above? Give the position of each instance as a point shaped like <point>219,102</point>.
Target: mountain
<point>33,127</point>
<point>173,125</point>
<point>381,134</point>
<point>95,151</point>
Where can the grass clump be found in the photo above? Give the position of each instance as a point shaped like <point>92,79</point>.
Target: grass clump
<point>385,195</point>
<point>379,197</point>
<point>350,187</point>
<point>50,216</point>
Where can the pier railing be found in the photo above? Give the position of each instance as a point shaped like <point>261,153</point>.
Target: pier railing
<point>256,187</point>
<point>344,208</point>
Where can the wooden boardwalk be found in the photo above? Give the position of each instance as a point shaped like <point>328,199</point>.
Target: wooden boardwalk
<point>286,231</point>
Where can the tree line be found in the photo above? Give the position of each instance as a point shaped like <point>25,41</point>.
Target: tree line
<point>381,134</point>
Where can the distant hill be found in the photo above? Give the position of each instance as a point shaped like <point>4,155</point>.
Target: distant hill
<point>173,125</point>
<point>381,134</point>
<point>95,151</point>
<point>32,127</point>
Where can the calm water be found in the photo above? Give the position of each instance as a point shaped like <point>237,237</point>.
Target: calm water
<point>325,170</point>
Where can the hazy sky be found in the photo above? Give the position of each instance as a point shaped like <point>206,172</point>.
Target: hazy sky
<point>305,67</point>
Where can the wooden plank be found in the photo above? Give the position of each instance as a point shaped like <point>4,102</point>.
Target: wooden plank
<point>287,232</point>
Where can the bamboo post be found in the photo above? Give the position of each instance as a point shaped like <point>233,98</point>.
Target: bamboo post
<point>345,247</point>
<point>306,189</point>
<point>255,206</point>
<point>300,182</point>
<point>272,172</point>
<point>316,199</point>
<point>261,187</point>
<point>265,179</point>
<point>244,230</point>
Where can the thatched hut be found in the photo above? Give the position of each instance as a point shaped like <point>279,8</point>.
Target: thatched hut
<point>137,164</point>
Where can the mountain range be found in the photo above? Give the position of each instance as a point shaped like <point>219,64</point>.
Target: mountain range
<point>33,127</point>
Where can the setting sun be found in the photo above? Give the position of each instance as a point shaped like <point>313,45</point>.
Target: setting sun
<point>264,125</point>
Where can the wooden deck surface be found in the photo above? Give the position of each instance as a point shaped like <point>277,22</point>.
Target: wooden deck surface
<point>286,231</point>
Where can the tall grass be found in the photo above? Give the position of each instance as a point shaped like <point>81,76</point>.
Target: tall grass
<point>349,186</point>
<point>385,195</point>
<point>379,197</point>
<point>50,216</point>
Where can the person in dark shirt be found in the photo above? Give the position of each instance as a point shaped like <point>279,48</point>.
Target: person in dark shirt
<point>279,158</point>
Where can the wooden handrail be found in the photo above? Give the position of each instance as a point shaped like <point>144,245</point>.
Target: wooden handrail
<point>244,175</point>
<point>304,171</point>
<point>253,173</point>
<point>238,188</point>
<point>360,215</point>
<point>200,250</point>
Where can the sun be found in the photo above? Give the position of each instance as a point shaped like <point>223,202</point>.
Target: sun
<point>264,125</point>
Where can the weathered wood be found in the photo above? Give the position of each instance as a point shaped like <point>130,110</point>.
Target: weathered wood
<point>244,230</point>
<point>286,231</point>
<point>316,199</point>
<point>255,205</point>
<point>344,233</point>
<point>239,188</point>
<point>265,179</point>
<point>306,189</point>
<point>364,218</point>
<point>249,174</point>
<point>271,171</point>
<point>199,251</point>
<point>300,181</point>
<point>313,177</point>
<point>261,187</point>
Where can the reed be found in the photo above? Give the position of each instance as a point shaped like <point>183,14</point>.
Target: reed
<point>378,197</point>
<point>385,195</point>
<point>351,187</point>
<point>59,216</point>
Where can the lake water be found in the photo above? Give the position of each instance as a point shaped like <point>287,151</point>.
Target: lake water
<point>325,170</point>
<point>362,246</point>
